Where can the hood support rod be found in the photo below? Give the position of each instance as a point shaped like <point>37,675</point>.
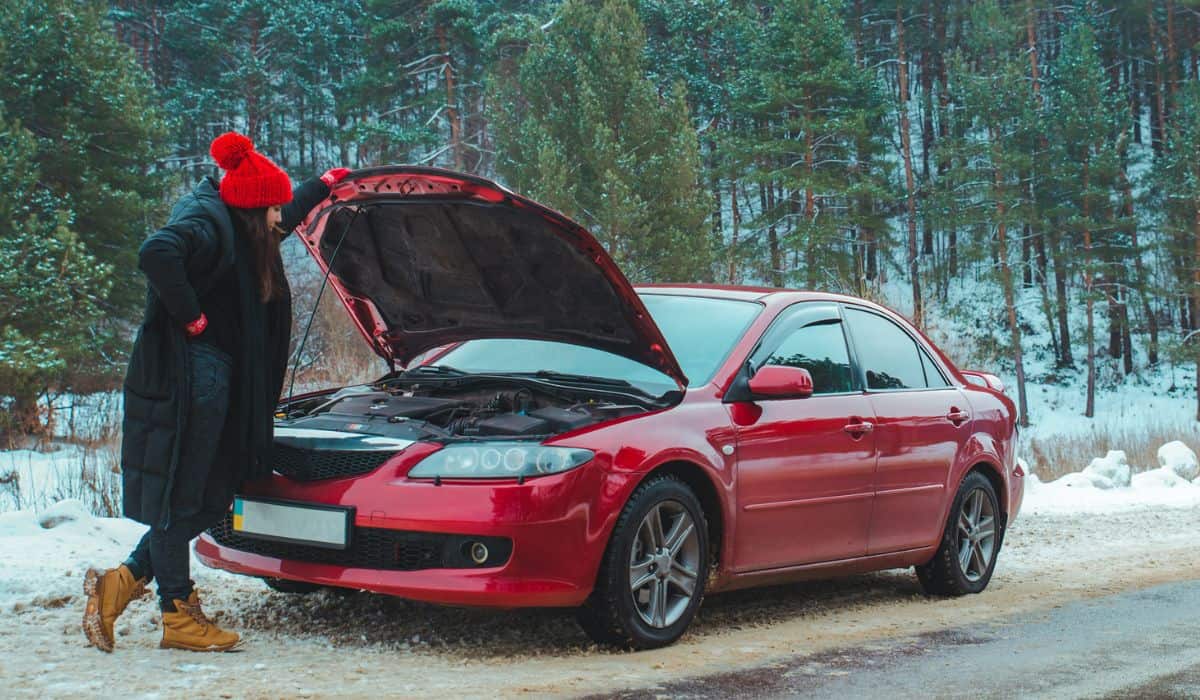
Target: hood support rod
<point>317,304</point>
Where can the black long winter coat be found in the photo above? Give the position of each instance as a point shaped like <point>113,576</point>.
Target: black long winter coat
<point>186,257</point>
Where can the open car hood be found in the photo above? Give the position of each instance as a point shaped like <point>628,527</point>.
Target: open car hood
<point>422,257</point>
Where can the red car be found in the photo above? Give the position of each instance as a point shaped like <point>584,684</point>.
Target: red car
<point>576,442</point>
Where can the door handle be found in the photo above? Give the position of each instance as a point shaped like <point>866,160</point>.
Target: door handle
<point>957,416</point>
<point>857,430</point>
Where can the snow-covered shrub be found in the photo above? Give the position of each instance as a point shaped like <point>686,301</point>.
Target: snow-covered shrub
<point>1180,459</point>
<point>1112,467</point>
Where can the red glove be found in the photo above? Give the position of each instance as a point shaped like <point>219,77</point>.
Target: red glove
<point>334,176</point>
<point>196,327</point>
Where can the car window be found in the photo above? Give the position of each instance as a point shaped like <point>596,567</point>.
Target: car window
<point>820,349</point>
<point>888,355</point>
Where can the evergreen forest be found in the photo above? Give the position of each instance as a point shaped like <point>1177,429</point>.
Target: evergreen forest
<point>1023,174</point>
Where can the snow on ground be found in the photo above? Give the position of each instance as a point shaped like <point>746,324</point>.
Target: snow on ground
<point>361,644</point>
<point>1075,495</point>
<point>46,553</point>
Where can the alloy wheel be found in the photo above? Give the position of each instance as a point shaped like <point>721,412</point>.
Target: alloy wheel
<point>663,564</point>
<point>976,534</point>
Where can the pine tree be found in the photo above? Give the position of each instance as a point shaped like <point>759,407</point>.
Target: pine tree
<point>1085,166</point>
<point>51,290</point>
<point>1176,183</point>
<point>584,131</point>
<point>816,115</point>
<point>68,81</point>
<point>994,152</point>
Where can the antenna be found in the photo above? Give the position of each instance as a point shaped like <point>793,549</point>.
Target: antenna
<point>317,304</point>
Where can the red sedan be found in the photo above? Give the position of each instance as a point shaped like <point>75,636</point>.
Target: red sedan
<point>567,440</point>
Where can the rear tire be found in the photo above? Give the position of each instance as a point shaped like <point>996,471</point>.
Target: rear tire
<point>284,585</point>
<point>966,556</point>
<point>652,577</point>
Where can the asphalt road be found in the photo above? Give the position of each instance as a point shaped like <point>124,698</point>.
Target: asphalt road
<point>1142,644</point>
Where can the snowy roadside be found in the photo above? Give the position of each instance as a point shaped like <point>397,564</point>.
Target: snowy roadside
<point>360,644</point>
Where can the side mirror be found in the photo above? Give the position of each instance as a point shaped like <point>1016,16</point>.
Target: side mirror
<point>778,381</point>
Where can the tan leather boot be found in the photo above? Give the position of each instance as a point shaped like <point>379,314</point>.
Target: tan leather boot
<point>108,594</point>
<point>188,628</point>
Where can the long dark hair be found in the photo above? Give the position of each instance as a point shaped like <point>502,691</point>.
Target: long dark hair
<point>264,242</point>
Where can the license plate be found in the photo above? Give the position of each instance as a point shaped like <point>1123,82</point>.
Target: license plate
<point>294,522</point>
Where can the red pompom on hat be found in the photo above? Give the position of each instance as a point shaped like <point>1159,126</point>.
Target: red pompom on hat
<point>251,179</point>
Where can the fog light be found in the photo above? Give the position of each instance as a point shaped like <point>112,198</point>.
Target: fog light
<point>479,552</point>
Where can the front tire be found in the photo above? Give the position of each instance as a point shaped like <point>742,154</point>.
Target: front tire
<point>652,577</point>
<point>966,557</point>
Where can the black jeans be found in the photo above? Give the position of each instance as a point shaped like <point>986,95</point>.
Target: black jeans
<point>202,487</point>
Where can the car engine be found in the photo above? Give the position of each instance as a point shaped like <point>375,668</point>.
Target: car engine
<point>451,411</point>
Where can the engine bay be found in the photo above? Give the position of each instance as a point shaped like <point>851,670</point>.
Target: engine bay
<point>461,409</point>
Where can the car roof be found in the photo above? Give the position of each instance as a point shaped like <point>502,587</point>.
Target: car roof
<point>770,295</point>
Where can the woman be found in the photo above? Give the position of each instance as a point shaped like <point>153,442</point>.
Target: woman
<point>203,381</point>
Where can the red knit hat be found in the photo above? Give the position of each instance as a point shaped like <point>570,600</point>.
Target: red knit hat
<point>251,180</point>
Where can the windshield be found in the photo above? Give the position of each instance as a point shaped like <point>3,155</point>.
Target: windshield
<point>699,330</point>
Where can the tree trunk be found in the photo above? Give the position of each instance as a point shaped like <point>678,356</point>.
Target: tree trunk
<point>1031,43</point>
<point>773,241</point>
<point>1026,256</point>
<point>927,135</point>
<point>1114,319</point>
<point>1006,281</point>
<point>1158,127</point>
<point>1060,294</point>
<point>810,212</point>
<point>1090,408</point>
<point>1196,300</point>
<point>1126,340</point>
<point>871,251</point>
<point>736,216</point>
<point>1172,60</point>
<point>1042,275</point>
<point>906,148</point>
<point>451,103</point>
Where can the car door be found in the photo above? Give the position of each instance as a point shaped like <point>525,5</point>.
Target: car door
<point>921,422</point>
<point>805,466</point>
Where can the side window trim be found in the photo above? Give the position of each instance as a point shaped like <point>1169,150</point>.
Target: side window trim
<point>787,323</point>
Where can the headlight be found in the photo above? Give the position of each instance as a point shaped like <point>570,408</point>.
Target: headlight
<point>498,460</point>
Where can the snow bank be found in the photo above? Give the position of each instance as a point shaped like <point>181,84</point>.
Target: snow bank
<point>46,553</point>
<point>1179,458</point>
<point>1107,484</point>
<point>1161,478</point>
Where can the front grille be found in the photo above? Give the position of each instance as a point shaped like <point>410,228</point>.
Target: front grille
<point>314,465</point>
<point>374,548</point>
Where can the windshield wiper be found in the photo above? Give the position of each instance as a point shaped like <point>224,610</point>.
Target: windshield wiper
<point>564,376</point>
<point>444,370</point>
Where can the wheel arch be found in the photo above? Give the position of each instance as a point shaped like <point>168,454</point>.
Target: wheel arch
<point>699,481</point>
<point>995,476</point>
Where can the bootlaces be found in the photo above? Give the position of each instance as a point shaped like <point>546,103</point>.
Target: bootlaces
<point>198,615</point>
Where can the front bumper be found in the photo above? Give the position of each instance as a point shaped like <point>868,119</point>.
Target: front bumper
<point>557,533</point>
